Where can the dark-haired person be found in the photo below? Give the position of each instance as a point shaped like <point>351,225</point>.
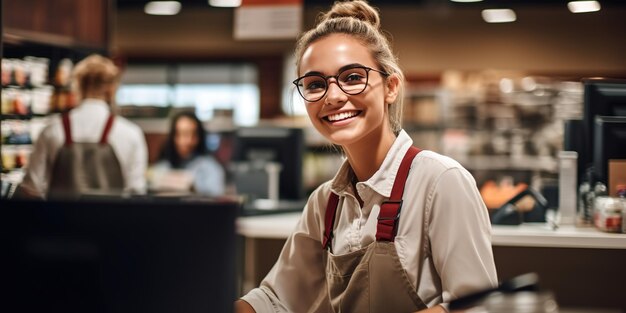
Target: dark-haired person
<point>88,149</point>
<point>397,229</point>
<point>186,152</point>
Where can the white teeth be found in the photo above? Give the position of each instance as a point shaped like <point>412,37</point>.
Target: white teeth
<point>341,116</point>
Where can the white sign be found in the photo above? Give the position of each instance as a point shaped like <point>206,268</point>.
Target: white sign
<point>268,21</point>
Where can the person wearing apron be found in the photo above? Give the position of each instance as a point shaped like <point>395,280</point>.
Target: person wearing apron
<point>82,168</point>
<point>397,229</point>
<point>87,149</point>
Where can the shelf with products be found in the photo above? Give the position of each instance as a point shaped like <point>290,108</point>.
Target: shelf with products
<point>29,95</point>
<point>37,59</point>
<point>494,119</point>
<point>424,107</point>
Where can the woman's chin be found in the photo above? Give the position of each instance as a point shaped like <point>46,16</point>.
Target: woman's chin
<point>343,137</point>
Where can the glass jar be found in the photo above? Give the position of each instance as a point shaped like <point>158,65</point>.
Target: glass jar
<point>608,213</point>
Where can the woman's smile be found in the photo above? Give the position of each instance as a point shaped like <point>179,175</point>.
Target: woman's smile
<point>342,117</point>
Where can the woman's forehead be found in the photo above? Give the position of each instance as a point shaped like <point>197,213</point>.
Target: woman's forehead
<point>185,122</point>
<point>330,53</point>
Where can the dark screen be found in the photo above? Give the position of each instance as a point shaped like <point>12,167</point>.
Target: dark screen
<point>602,97</point>
<point>280,145</point>
<point>170,255</point>
<point>609,143</point>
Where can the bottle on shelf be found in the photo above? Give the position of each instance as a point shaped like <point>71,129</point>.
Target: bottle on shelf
<point>589,189</point>
<point>608,210</point>
<point>621,194</point>
<point>584,218</point>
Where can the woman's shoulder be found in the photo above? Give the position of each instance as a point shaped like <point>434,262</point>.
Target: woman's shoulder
<point>52,128</point>
<point>435,161</point>
<point>322,191</point>
<point>432,166</point>
<point>319,196</point>
<point>205,158</point>
<point>315,207</point>
<point>203,161</point>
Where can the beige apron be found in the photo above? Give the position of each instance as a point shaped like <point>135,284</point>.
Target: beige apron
<point>85,167</point>
<point>372,279</point>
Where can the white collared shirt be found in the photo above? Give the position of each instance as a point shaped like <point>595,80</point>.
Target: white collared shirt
<point>441,202</point>
<point>87,123</point>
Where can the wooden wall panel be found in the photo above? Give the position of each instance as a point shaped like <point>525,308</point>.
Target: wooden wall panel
<point>76,22</point>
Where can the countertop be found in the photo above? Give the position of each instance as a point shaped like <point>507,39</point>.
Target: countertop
<point>280,226</point>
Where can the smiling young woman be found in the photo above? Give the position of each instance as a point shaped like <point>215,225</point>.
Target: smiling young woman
<point>397,229</point>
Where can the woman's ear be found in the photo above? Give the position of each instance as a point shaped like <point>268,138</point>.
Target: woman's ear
<point>393,85</point>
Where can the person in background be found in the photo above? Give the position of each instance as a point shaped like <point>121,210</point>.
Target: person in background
<point>397,229</point>
<point>89,148</point>
<point>185,154</point>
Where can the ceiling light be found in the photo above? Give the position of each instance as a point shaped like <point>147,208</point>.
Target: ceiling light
<point>507,85</point>
<point>225,3</point>
<point>499,15</point>
<point>162,8</point>
<point>466,0</point>
<point>583,6</point>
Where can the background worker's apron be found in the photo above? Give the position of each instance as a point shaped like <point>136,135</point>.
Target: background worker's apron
<point>85,167</point>
<point>372,279</point>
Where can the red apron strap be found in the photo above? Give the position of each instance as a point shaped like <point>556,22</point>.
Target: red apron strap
<point>389,209</point>
<point>329,219</point>
<point>107,129</point>
<point>65,117</point>
<point>387,226</point>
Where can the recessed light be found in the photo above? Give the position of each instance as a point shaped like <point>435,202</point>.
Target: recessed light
<point>225,3</point>
<point>583,6</point>
<point>499,15</point>
<point>466,1</point>
<point>162,8</point>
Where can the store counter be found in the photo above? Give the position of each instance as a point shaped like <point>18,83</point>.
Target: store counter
<point>583,266</point>
<point>280,226</point>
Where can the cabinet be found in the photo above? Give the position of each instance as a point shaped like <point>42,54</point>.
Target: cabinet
<point>62,23</point>
<point>41,40</point>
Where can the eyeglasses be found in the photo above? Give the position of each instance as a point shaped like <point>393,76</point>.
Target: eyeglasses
<point>352,81</point>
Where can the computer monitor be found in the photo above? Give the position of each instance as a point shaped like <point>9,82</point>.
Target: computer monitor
<point>141,255</point>
<point>602,97</point>
<point>281,145</point>
<point>609,143</point>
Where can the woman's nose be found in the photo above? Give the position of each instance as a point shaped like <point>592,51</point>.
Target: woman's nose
<point>334,94</point>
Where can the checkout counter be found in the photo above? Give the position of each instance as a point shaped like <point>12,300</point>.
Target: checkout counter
<point>582,266</point>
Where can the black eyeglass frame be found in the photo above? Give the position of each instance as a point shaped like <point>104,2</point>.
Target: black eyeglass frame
<point>336,77</point>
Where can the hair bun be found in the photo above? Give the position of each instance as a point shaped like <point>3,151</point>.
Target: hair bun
<point>358,9</point>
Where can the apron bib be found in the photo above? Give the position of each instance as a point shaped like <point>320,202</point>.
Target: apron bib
<point>85,167</point>
<point>372,279</point>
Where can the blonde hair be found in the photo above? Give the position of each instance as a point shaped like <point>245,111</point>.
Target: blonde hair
<point>94,75</point>
<point>361,21</point>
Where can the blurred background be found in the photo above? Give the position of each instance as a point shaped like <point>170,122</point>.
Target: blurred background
<point>490,83</point>
<point>492,93</point>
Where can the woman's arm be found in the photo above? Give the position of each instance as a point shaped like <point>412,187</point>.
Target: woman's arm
<point>138,163</point>
<point>460,235</point>
<point>296,282</point>
<point>243,307</point>
<point>38,170</point>
<point>209,176</point>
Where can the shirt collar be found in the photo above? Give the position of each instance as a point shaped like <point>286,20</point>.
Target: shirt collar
<point>383,179</point>
<point>94,102</point>
<point>95,107</point>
